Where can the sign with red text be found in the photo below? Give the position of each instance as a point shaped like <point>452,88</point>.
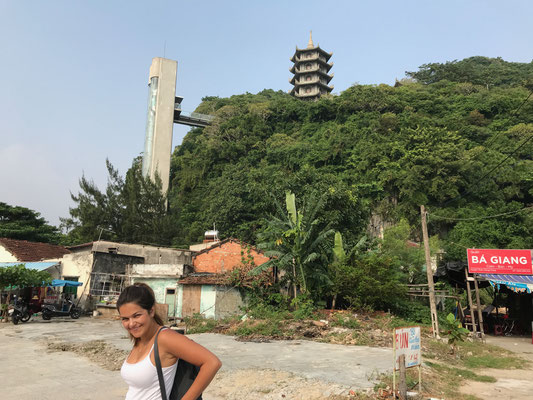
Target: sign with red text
<point>504,262</point>
<point>407,342</point>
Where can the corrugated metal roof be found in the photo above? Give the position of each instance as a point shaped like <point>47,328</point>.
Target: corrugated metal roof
<point>39,266</point>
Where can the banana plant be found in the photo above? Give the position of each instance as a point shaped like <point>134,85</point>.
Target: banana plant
<point>340,259</point>
<point>297,242</point>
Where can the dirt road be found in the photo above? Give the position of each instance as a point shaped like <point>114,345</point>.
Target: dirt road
<point>65,359</point>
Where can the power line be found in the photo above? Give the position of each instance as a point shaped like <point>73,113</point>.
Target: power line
<point>490,171</point>
<point>468,191</point>
<point>513,114</point>
<point>485,217</point>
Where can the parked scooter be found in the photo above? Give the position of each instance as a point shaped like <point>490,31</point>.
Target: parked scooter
<point>19,312</point>
<point>49,311</point>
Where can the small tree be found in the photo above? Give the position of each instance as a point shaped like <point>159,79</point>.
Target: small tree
<point>455,331</point>
<point>20,276</point>
<point>339,267</point>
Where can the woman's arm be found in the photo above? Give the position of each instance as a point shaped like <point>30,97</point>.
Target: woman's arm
<point>179,346</point>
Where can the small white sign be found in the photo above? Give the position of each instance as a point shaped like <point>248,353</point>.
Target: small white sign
<point>407,342</point>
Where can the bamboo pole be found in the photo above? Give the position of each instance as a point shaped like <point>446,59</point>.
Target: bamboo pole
<point>479,312</point>
<point>472,315</point>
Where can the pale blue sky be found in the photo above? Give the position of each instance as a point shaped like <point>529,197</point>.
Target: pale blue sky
<point>75,73</point>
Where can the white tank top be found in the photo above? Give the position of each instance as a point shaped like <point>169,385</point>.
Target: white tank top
<point>142,380</point>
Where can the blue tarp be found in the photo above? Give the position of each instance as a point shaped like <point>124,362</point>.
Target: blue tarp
<point>61,282</point>
<point>517,283</point>
<point>39,266</point>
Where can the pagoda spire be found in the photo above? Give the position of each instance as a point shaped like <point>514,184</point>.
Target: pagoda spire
<point>310,44</point>
<point>311,72</point>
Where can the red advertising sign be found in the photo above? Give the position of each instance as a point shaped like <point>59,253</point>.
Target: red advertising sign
<point>492,261</point>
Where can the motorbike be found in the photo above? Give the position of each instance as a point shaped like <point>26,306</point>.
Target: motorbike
<point>49,311</point>
<point>19,312</point>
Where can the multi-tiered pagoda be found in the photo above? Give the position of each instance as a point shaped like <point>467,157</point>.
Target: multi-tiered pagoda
<point>310,71</point>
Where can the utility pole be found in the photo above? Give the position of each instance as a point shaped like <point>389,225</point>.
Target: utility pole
<point>431,286</point>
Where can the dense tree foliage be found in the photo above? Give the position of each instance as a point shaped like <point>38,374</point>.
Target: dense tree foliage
<point>476,70</point>
<point>25,224</point>
<point>130,210</point>
<point>19,276</point>
<point>456,137</point>
<point>371,149</point>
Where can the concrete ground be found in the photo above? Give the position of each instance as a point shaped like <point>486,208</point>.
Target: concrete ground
<point>522,345</point>
<point>510,384</point>
<point>30,372</point>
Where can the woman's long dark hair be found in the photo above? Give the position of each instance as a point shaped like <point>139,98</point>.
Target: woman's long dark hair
<point>142,295</point>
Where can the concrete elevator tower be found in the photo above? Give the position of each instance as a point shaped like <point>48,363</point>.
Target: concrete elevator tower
<point>164,110</point>
<point>160,119</point>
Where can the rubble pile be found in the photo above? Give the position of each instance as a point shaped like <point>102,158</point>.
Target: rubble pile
<point>98,351</point>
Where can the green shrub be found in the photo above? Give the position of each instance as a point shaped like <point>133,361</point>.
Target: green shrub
<point>303,307</point>
<point>199,324</point>
<point>413,312</point>
<point>267,328</point>
<point>345,321</point>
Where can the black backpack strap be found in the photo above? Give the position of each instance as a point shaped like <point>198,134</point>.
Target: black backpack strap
<point>158,367</point>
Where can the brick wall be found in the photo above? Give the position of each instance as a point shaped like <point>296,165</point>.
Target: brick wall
<point>225,257</point>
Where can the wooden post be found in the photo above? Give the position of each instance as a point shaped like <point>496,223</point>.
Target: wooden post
<point>402,385</point>
<point>479,312</point>
<point>420,378</point>
<point>431,286</point>
<point>394,361</point>
<point>472,315</point>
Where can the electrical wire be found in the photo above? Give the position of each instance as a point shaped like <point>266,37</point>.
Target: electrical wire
<point>490,171</point>
<point>485,217</point>
<point>514,113</point>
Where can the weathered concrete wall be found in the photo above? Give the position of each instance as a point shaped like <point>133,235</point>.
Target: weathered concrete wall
<point>160,286</point>
<point>157,270</point>
<point>55,271</point>
<point>78,265</point>
<point>150,254</point>
<point>113,263</point>
<point>225,257</point>
<point>228,302</point>
<point>6,256</point>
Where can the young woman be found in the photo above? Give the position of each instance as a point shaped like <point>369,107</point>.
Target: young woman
<point>136,306</point>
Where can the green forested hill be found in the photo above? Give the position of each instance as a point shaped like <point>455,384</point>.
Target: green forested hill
<point>378,149</point>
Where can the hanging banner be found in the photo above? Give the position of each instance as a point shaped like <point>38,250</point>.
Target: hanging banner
<point>501,262</point>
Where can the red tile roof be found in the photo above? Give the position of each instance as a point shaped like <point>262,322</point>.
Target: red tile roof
<point>205,279</point>
<point>32,251</point>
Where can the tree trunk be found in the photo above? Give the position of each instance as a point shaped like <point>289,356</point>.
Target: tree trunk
<point>294,278</point>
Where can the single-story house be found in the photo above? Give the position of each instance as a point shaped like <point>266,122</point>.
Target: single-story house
<point>105,267</point>
<point>207,291</point>
<point>33,255</point>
